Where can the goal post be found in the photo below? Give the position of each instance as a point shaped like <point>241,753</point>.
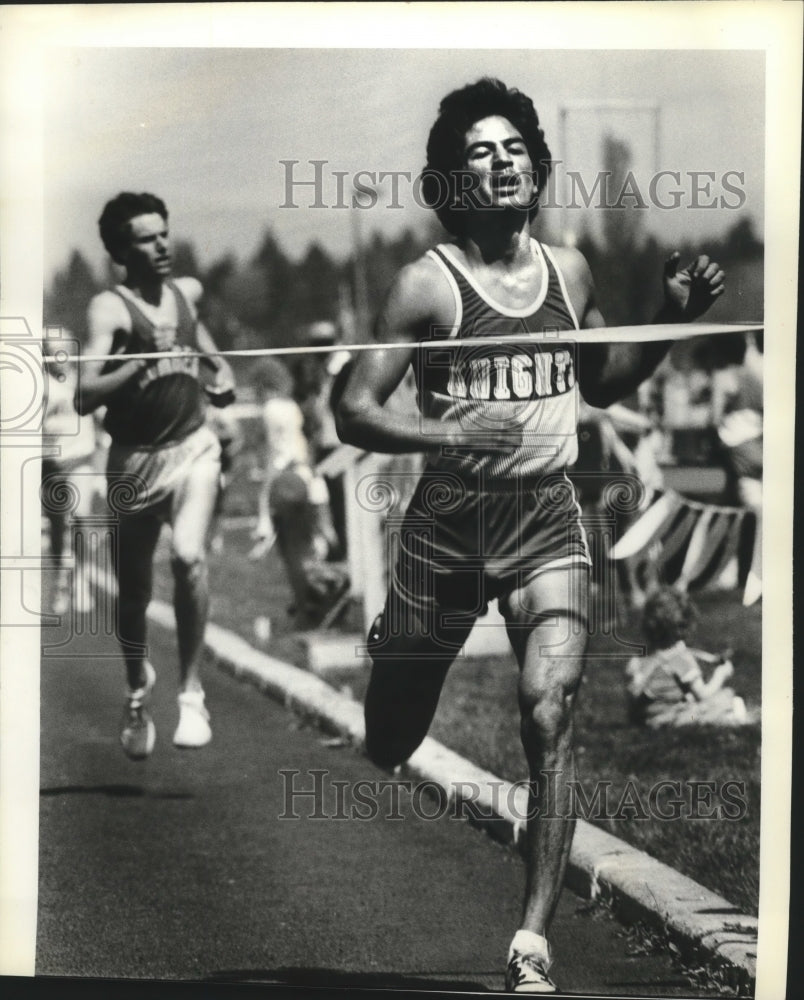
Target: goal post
<point>609,109</point>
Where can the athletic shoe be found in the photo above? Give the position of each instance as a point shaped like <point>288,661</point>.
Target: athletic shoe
<point>193,729</point>
<point>528,974</point>
<point>139,732</point>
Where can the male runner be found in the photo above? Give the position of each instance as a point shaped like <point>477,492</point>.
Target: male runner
<point>164,461</point>
<point>494,514</point>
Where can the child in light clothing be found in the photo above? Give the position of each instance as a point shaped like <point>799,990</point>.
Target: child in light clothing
<point>293,503</point>
<point>70,480</point>
<point>667,686</point>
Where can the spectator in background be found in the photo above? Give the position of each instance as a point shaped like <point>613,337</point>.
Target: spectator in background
<point>667,687</point>
<point>227,430</point>
<point>293,504</point>
<point>737,413</point>
<point>69,481</point>
<point>686,408</point>
<point>315,379</point>
<point>283,439</point>
<point>609,471</point>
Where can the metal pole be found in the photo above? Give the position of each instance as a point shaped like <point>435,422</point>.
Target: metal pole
<point>361,283</point>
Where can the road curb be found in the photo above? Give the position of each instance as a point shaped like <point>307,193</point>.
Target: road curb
<point>702,925</point>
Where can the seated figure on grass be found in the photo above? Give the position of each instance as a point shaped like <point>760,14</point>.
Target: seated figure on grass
<point>667,686</point>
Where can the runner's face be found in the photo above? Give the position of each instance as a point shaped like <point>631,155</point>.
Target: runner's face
<point>148,252</point>
<point>496,154</point>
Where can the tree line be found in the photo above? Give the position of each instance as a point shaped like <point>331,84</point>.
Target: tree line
<point>271,299</point>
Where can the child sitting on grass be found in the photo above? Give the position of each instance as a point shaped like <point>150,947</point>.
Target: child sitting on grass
<point>667,687</point>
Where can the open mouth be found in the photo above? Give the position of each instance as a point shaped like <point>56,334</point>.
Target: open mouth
<point>505,184</point>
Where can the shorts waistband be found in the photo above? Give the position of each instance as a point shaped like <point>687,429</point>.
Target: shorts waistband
<point>505,487</point>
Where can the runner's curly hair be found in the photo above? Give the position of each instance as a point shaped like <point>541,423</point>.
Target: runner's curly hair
<point>668,616</point>
<point>118,212</point>
<point>457,113</point>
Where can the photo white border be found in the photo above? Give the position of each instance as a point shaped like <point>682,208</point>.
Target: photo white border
<point>773,26</point>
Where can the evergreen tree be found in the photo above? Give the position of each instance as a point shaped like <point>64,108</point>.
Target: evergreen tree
<point>66,302</point>
<point>185,262</point>
<point>315,287</point>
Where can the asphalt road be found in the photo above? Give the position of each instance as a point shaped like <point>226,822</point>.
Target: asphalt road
<point>186,867</point>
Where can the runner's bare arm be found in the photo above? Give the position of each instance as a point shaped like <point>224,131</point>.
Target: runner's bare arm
<point>224,376</point>
<point>106,314</point>
<point>408,314</point>
<point>193,292</point>
<point>608,372</point>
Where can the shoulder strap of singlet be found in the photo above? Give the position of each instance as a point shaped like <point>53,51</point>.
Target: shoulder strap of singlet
<point>438,256</point>
<point>561,283</point>
<point>185,314</point>
<point>185,321</point>
<point>465,279</point>
<point>134,311</point>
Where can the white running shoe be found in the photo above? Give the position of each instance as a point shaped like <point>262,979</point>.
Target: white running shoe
<point>528,974</point>
<point>139,732</point>
<point>193,729</point>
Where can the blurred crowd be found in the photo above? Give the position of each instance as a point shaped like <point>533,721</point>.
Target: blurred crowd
<point>702,408</point>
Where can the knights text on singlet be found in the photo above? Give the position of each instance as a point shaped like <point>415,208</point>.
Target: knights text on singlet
<point>493,389</point>
<point>164,402</point>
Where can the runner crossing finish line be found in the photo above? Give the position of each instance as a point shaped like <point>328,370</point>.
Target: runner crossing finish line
<point>494,515</point>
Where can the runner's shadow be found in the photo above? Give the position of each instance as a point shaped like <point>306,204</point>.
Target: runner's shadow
<point>340,979</point>
<point>113,792</point>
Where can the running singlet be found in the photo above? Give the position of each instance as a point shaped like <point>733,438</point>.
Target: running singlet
<point>165,401</point>
<point>491,388</point>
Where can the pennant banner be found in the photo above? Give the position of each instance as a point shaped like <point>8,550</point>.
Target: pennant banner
<point>699,544</point>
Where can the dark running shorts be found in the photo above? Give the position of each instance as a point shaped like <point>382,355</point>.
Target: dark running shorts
<point>458,548</point>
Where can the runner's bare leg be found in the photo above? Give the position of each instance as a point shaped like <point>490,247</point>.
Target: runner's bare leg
<point>547,627</point>
<point>193,509</point>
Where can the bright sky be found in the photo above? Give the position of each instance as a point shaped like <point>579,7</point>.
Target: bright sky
<point>207,129</point>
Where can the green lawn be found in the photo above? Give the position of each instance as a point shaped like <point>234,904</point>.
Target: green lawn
<point>478,717</point>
